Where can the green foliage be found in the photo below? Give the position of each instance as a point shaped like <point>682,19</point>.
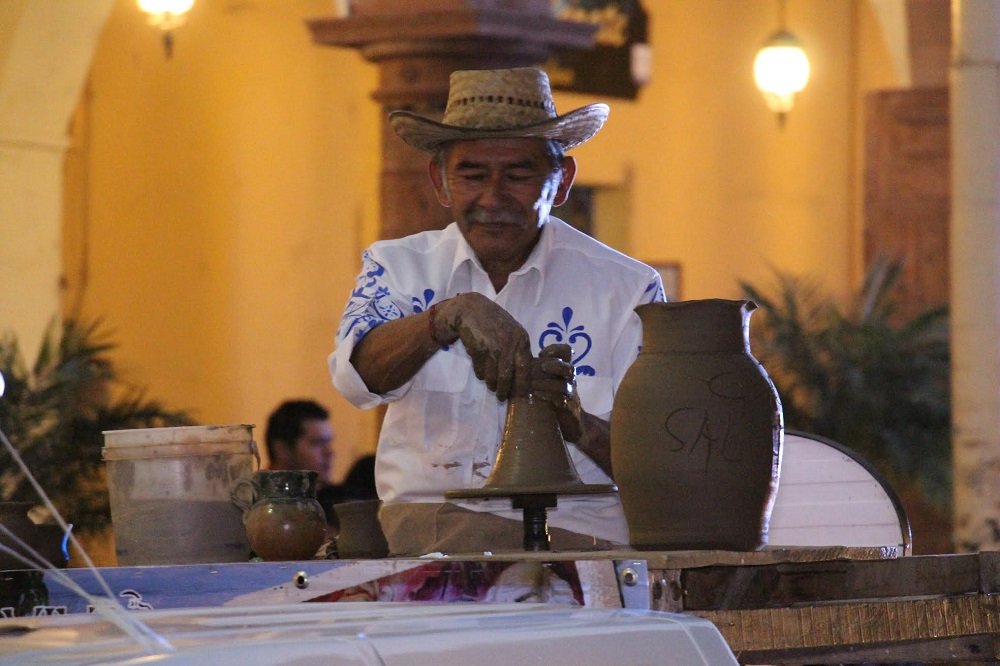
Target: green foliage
<point>54,413</point>
<point>863,376</point>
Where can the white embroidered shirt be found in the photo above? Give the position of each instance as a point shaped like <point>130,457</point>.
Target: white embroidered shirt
<point>443,427</point>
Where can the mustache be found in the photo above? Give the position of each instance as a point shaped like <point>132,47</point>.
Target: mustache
<point>479,215</point>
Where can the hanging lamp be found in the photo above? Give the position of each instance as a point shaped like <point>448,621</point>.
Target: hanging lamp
<point>167,15</point>
<point>781,69</point>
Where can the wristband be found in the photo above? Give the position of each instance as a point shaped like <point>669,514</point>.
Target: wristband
<point>433,326</point>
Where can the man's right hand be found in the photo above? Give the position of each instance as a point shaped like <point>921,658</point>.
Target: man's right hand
<point>497,344</point>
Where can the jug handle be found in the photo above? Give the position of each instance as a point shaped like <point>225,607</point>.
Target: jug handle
<point>237,498</point>
<point>256,452</point>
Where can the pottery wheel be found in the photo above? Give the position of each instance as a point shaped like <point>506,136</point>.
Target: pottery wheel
<point>534,501</point>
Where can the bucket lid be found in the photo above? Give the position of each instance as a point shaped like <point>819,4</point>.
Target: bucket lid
<point>148,451</point>
<point>178,435</point>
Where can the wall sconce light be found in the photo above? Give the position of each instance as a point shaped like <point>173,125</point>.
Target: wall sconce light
<point>166,15</point>
<point>781,69</point>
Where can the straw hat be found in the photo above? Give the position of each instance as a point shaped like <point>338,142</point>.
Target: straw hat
<point>500,103</point>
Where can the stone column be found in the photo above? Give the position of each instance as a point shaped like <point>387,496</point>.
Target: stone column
<point>44,59</point>
<point>416,45</point>
<point>975,272</point>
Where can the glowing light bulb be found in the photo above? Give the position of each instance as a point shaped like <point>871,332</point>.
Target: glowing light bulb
<point>166,14</point>
<point>781,69</point>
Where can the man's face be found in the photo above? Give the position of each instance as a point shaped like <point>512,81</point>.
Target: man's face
<point>314,449</point>
<point>500,192</point>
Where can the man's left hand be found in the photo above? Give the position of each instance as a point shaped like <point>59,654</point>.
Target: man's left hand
<point>553,379</point>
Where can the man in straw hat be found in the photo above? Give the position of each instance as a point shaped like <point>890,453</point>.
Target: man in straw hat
<point>443,325</point>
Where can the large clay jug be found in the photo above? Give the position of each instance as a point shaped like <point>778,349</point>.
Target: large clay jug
<point>283,519</point>
<point>696,431</point>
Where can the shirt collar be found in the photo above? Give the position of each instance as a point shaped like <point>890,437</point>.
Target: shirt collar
<point>534,262</point>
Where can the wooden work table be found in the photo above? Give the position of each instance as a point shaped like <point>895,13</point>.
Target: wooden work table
<point>934,608</point>
<point>776,606</point>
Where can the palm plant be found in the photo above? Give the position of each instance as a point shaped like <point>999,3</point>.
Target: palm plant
<point>54,413</point>
<point>863,375</point>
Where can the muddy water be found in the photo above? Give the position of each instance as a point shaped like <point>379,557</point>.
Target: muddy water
<point>175,531</point>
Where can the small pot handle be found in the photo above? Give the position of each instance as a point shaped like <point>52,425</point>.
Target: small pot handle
<point>238,497</point>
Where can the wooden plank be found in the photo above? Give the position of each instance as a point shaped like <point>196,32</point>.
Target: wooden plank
<point>687,559</point>
<point>786,584</point>
<point>906,629</point>
<point>965,649</point>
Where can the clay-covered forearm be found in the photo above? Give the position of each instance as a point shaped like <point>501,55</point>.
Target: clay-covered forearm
<point>391,354</point>
<point>596,441</point>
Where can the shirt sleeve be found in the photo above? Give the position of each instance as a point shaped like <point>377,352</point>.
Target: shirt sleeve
<point>372,302</point>
<point>654,290</point>
<point>626,347</point>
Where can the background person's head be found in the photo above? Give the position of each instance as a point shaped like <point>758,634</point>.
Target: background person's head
<point>299,435</point>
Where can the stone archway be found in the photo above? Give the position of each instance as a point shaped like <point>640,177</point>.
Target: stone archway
<point>45,53</point>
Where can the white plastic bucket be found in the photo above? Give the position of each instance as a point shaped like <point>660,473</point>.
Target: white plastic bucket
<point>169,490</point>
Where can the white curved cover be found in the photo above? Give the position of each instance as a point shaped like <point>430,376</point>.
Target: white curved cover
<point>828,498</point>
<point>376,633</point>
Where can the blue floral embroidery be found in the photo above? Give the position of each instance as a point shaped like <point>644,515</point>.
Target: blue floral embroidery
<point>421,305</point>
<point>572,336</point>
<point>659,296</point>
<point>370,304</point>
<point>654,288</point>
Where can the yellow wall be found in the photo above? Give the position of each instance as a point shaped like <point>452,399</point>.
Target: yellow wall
<point>228,191</point>
<point>45,51</point>
<point>716,184</point>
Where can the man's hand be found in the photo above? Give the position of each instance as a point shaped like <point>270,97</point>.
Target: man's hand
<point>497,344</point>
<point>553,379</point>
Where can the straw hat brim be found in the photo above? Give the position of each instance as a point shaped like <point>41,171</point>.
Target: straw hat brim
<point>570,129</point>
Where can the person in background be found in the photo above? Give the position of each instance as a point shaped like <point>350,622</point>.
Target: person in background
<point>299,435</point>
<point>359,484</point>
<point>442,325</point>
